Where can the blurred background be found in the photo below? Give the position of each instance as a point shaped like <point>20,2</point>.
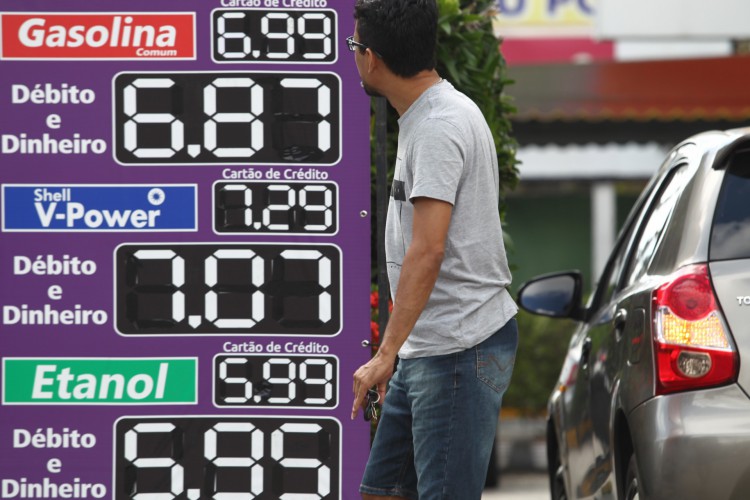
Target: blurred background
<point>602,90</point>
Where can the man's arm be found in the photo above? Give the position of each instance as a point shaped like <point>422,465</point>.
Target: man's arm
<point>418,275</point>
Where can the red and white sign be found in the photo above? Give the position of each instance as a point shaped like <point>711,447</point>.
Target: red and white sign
<point>97,36</point>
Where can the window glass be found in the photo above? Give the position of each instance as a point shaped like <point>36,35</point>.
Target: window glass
<point>730,234</point>
<point>609,278</point>
<point>652,227</point>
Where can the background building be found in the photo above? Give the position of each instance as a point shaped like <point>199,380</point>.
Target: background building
<point>603,90</point>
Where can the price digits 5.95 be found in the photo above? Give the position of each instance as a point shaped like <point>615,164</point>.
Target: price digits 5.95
<point>201,458</point>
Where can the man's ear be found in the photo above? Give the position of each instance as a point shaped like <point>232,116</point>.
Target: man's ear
<point>373,61</point>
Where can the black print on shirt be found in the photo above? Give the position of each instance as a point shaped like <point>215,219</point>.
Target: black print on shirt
<point>397,190</point>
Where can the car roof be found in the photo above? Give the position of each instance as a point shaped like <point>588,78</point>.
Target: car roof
<point>715,146</point>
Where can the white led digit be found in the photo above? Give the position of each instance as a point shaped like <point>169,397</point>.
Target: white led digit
<point>211,266</point>
<point>255,137</point>
<point>265,28</point>
<point>277,453</point>
<point>130,130</point>
<point>176,474</point>
<point>291,198</point>
<point>325,381</point>
<point>325,207</point>
<point>324,126</point>
<point>225,35</point>
<point>323,96</point>
<point>246,385</point>
<point>302,30</point>
<point>247,200</point>
<point>324,278</point>
<point>178,277</point>
<point>255,470</point>
<point>289,379</point>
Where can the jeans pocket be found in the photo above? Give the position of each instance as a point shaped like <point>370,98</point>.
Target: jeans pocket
<point>496,357</point>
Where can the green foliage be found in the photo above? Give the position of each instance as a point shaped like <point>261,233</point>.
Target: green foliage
<point>469,57</point>
<point>542,345</point>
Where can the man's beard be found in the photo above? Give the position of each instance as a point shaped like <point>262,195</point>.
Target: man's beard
<point>370,91</point>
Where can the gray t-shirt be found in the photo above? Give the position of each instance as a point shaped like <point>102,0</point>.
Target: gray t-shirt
<point>446,152</point>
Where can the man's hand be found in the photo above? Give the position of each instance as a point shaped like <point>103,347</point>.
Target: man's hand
<point>376,372</point>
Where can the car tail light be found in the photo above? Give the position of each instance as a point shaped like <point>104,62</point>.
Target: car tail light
<point>693,348</point>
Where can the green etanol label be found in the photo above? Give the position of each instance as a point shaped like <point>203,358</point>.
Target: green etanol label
<point>99,380</point>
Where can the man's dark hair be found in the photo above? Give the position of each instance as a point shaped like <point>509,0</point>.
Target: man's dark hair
<point>402,32</point>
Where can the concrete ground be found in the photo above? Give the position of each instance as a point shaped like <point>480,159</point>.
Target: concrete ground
<point>519,486</point>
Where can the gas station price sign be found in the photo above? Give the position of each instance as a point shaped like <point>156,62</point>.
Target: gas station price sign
<point>260,380</point>
<point>228,288</point>
<point>274,35</point>
<point>184,250</point>
<point>227,457</point>
<point>242,118</point>
<point>276,207</point>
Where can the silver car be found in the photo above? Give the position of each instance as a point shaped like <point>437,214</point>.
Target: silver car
<point>653,397</point>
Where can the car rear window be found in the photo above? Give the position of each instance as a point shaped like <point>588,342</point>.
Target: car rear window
<point>730,235</point>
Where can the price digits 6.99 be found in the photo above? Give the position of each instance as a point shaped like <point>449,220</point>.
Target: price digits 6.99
<point>228,288</point>
<point>233,117</point>
<point>197,458</point>
<point>252,35</point>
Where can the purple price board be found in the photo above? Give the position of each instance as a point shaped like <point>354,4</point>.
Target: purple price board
<point>184,250</point>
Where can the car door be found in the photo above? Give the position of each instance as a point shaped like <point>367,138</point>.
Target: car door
<point>618,329</point>
<point>598,350</point>
<point>592,385</point>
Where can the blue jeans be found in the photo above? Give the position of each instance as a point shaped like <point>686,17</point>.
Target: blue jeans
<point>438,423</point>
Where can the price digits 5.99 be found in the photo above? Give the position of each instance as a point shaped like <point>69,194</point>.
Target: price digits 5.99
<point>285,381</point>
<point>230,288</point>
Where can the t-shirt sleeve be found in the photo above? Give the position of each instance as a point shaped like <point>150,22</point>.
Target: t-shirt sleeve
<point>437,157</point>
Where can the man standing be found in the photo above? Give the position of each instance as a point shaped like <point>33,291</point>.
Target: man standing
<point>453,325</point>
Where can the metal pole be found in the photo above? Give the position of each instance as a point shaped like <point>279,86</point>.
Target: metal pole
<point>381,197</point>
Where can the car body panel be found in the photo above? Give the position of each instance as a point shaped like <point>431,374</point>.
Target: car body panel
<point>694,445</point>
<point>731,279</point>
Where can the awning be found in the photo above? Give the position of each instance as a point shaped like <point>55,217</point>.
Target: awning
<point>693,89</point>
<point>589,162</point>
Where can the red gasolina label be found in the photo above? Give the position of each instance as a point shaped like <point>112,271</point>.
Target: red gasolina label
<point>80,35</point>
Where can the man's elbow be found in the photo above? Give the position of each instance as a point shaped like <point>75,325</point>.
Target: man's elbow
<point>432,256</point>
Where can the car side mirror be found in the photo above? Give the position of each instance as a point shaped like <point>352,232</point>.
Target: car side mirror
<point>556,295</point>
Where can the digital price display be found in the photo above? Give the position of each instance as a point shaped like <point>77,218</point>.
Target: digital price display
<point>274,35</point>
<point>185,250</point>
<point>225,289</point>
<point>276,207</point>
<point>260,380</point>
<point>231,117</point>
<point>202,457</point>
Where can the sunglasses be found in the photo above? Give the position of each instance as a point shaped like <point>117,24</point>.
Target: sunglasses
<point>353,45</point>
